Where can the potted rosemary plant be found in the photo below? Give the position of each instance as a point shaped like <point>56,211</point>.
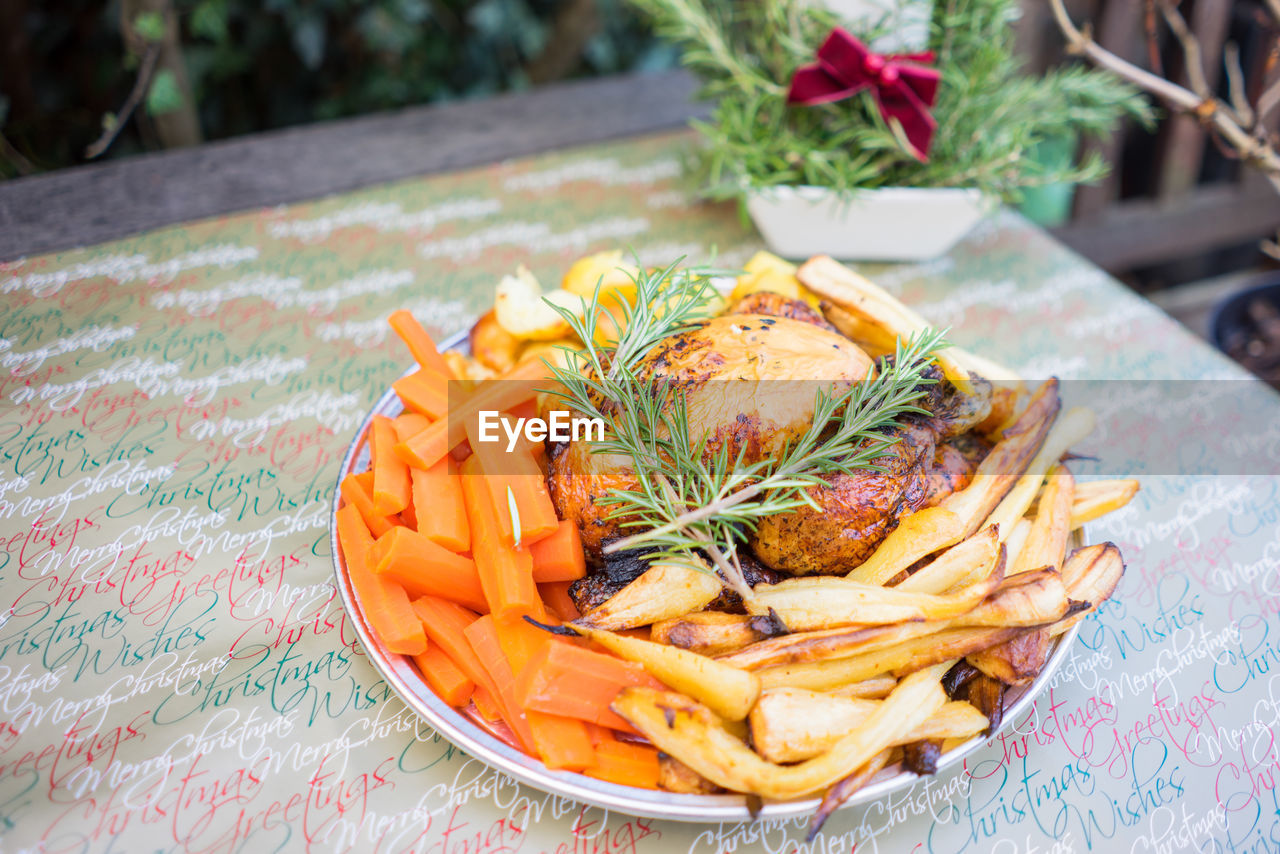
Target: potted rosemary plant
<point>837,149</point>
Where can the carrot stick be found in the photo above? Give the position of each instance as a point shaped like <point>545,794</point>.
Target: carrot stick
<point>555,595</point>
<point>424,568</point>
<point>486,705</point>
<point>445,623</point>
<point>424,391</point>
<point>444,677</point>
<point>528,409</point>
<point>559,556</point>
<point>419,342</point>
<point>512,388</point>
<point>561,742</point>
<point>385,604</point>
<point>625,764</point>
<point>484,641</point>
<point>574,682</point>
<point>391,487</point>
<point>506,573</point>
<point>408,423</point>
<point>444,518</point>
<point>357,490</point>
<point>514,476</point>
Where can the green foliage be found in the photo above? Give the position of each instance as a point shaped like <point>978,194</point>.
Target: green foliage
<point>150,26</point>
<point>163,95</point>
<point>210,20</point>
<point>990,114</point>
<point>260,64</point>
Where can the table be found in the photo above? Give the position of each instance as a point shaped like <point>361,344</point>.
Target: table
<point>176,673</point>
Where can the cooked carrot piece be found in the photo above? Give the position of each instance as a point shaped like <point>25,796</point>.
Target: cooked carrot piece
<point>598,734</point>
<point>385,604</point>
<point>424,391</point>
<point>559,556</point>
<point>574,682</point>
<point>521,642</point>
<point>443,520</point>
<point>445,623</point>
<point>484,640</point>
<point>625,763</point>
<point>357,490</point>
<point>424,568</point>
<point>561,742</point>
<point>514,476</point>
<point>419,342</point>
<point>444,677</point>
<point>555,595</point>
<point>512,388</point>
<point>486,705</point>
<point>391,487</point>
<point>407,424</point>
<point>527,409</point>
<point>506,574</point>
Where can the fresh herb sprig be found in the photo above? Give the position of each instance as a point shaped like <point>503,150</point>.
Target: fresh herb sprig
<point>992,113</point>
<point>691,502</point>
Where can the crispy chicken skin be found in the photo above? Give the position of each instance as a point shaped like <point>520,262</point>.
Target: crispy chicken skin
<point>935,456</point>
<point>773,304</point>
<point>577,480</point>
<point>859,510</point>
<point>750,380</point>
<point>731,371</point>
<point>856,512</point>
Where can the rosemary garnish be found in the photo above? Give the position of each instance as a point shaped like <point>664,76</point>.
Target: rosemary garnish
<point>691,502</point>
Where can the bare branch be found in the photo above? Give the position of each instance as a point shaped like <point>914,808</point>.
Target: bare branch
<point>1235,84</point>
<point>1273,6</point>
<point>1153,37</point>
<point>1190,49</point>
<point>1214,114</point>
<point>1272,248</point>
<point>1267,102</point>
<point>140,84</point>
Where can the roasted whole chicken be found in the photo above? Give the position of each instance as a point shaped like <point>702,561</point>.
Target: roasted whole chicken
<point>749,378</point>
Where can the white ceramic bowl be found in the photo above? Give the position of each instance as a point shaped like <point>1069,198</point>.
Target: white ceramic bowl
<point>891,224</point>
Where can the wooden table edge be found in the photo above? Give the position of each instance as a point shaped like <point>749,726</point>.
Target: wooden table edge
<point>87,205</point>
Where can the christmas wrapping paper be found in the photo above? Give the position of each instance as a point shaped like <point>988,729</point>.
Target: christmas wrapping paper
<point>177,674</point>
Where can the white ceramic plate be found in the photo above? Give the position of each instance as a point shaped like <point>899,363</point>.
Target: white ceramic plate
<point>471,733</point>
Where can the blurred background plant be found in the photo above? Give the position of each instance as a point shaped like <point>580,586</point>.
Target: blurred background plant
<point>1175,209</point>
<point>80,78</point>
<point>990,113</point>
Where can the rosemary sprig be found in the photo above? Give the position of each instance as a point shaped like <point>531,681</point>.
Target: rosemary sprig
<point>692,502</point>
<point>859,415</point>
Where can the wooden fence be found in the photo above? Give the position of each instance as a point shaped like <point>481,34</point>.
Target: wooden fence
<point>1174,192</point>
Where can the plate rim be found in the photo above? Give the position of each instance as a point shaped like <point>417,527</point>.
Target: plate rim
<point>399,673</point>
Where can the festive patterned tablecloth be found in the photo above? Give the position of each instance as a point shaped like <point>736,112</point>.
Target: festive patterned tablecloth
<point>176,673</point>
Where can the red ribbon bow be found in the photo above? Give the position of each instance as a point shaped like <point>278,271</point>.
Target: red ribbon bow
<point>902,87</point>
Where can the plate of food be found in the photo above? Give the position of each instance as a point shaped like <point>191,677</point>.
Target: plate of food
<point>706,547</point>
